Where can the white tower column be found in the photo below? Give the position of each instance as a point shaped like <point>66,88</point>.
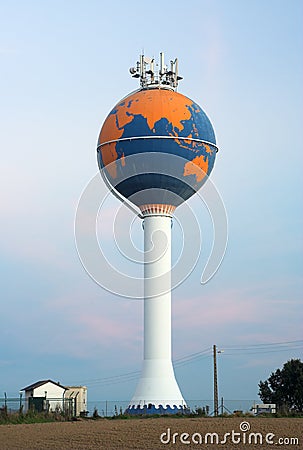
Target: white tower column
<point>157,385</point>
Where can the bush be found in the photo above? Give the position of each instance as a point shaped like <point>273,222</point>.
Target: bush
<point>95,413</point>
<point>200,412</point>
<point>29,417</point>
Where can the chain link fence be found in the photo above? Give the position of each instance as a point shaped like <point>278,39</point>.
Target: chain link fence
<point>110,408</point>
<point>10,405</point>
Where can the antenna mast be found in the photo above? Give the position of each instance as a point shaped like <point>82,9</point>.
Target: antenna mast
<point>156,75</point>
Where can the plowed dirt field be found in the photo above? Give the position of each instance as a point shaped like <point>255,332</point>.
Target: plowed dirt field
<point>225,433</point>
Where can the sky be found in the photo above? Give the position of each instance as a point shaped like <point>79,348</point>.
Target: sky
<point>63,66</point>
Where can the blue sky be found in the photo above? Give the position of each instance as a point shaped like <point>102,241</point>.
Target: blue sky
<point>64,65</point>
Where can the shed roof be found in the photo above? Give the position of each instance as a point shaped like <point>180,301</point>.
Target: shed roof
<point>41,383</point>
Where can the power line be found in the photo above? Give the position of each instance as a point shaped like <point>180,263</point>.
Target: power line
<point>261,352</point>
<point>243,347</point>
<point>114,379</point>
<point>232,350</point>
<point>192,357</point>
<point>113,376</point>
<point>129,376</point>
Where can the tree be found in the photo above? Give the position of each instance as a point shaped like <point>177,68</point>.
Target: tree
<point>284,387</point>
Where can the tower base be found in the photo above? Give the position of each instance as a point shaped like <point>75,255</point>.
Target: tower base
<point>157,390</point>
<point>151,409</point>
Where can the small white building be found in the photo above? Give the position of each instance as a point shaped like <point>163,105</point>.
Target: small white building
<point>261,408</point>
<point>79,396</point>
<point>44,395</point>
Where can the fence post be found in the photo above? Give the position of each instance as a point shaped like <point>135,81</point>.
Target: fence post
<point>20,402</point>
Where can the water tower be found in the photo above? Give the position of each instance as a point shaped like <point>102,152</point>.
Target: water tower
<point>156,149</point>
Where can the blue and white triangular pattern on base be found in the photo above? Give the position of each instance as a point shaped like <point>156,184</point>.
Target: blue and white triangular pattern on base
<point>152,409</point>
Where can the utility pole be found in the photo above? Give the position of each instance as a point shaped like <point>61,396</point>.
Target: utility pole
<point>216,405</point>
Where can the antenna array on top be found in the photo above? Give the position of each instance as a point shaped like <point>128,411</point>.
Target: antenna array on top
<point>156,75</point>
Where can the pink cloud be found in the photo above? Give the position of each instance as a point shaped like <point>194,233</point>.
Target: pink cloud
<point>227,307</point>
<point>97,325</point>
